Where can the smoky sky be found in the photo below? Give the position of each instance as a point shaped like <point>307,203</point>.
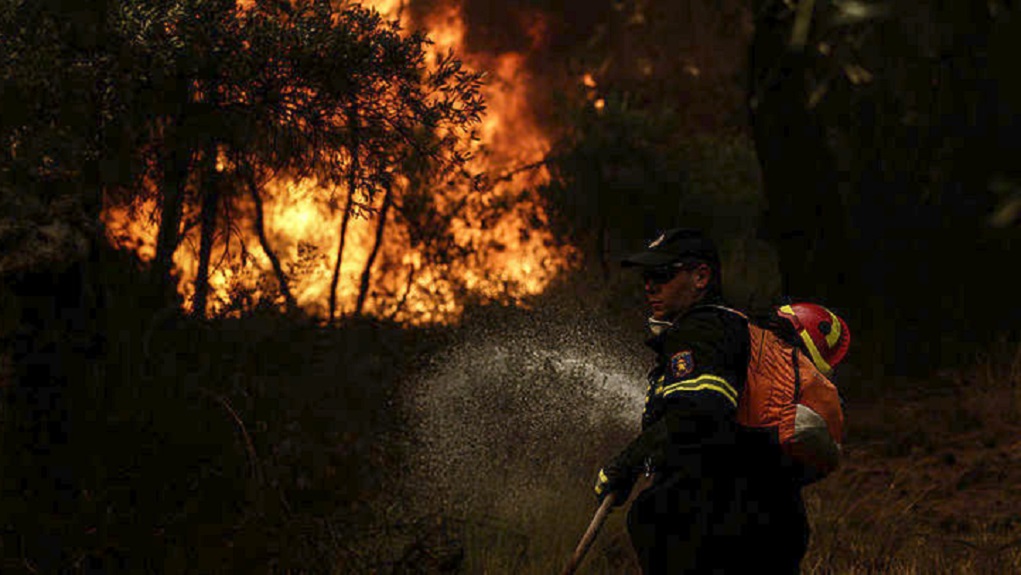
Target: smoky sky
<point>505,26</point>
<point>690,55</point>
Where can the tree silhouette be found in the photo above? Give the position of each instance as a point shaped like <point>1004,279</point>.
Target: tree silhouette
<point>878,138</point>
<point>221,100</point>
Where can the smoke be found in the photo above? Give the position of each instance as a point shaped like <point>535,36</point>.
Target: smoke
<point>690,55</point>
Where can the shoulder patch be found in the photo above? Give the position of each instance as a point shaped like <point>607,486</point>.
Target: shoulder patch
<point>681,364</point>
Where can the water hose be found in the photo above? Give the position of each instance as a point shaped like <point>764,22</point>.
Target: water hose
<point>590,534</point>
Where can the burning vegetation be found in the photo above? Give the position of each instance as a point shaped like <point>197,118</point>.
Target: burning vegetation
<point>382,176</point>
<point>314,156</point>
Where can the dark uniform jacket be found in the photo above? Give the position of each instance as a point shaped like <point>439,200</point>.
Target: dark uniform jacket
<point>693,388</point>
<point>690,515</point>
<point>708,508</point>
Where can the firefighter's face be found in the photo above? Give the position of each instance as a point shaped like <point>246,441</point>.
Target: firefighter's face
<point>671,292</point>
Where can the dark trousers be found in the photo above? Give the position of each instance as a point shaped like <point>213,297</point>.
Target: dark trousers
<point>716,525</point>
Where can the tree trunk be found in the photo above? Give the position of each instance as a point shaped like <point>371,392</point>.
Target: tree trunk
<point>260,230</point>
<point>804,218</point>
<point>363,289</point>
<point>175,175</point>
<point>352,188</point>
<point>407,291</point>
<point>210,204</point>
<point>340,254</point>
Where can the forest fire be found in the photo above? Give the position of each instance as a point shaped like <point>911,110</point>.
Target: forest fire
<point>504,249</point>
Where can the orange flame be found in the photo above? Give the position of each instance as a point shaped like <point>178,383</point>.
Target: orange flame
<point>515,255</point>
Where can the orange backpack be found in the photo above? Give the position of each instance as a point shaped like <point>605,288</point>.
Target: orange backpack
<point>785,392</point>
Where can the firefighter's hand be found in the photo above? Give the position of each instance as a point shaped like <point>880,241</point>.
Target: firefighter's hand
<point>614,479</point>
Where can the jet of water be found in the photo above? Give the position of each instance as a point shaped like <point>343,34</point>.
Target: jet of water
<point>505,411</point>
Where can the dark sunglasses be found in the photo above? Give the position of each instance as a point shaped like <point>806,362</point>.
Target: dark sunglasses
<point>661,274</point>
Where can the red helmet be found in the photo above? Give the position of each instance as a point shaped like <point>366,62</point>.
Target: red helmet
<point>825,335</point>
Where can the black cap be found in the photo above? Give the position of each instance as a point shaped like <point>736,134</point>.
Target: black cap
<point>673,246</point>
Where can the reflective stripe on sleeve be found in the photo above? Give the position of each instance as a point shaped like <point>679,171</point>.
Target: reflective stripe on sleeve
<point>703,382</point>
<point>601,482</point>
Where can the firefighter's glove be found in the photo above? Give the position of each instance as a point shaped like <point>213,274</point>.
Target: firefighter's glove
<point>614,479</point>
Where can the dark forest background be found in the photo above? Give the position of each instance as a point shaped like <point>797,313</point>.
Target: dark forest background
<point>862,155</point>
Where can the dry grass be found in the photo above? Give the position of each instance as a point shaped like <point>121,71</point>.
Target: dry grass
<point>931,483</point>
<point>255,443</point>
<point>934,488</point>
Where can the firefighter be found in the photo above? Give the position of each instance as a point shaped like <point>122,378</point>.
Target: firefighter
<point>719,500</point>
<point>692,516</point>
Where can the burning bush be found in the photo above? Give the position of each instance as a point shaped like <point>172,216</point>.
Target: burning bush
<point>335,155</point>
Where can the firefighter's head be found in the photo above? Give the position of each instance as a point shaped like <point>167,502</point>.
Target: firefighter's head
<point>825,336</point>
<point>680,268</point>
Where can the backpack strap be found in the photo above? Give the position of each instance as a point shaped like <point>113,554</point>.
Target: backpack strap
<point>797,373</point>
<point>751,342</point>
<point>725,308</point>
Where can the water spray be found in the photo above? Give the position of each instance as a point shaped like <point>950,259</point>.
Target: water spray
<point>499,406</point>
<point>513,413</point>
